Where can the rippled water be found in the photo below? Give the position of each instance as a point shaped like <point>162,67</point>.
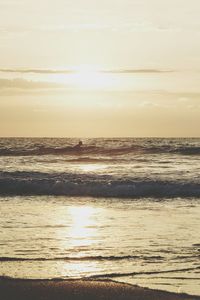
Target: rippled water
<point>148,242</point>
<point>137,220</point>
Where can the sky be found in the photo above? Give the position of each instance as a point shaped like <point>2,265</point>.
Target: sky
<point>100,68</point>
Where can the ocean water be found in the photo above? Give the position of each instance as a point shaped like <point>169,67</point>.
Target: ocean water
<point>122,209</point>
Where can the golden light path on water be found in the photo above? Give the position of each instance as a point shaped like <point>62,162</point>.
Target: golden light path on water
<point>81,233</point>
<point>92,167</point>
<point>83,228</point>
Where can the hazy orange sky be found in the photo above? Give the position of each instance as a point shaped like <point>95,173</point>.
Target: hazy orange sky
<point>99,68</point>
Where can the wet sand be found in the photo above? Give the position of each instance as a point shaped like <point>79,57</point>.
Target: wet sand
<point>16,289</point>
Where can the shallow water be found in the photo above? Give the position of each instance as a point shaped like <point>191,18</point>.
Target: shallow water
<point>153,243</point>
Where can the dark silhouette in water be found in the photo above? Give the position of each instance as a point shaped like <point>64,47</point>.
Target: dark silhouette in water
<point>78,146</point>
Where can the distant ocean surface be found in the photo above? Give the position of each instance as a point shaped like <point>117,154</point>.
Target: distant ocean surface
<point>125,209</point>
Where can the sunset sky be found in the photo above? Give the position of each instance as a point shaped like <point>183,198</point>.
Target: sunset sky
<point>94,68</point>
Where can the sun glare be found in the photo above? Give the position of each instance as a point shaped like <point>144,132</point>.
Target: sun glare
<point>87,77</point>
<point>92,167</point>
<point>80,233</point>
<point>82,228</point>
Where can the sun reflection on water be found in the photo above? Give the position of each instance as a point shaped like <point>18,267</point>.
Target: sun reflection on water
<point>83,229</point>
<point>78,237</point>
<point>80,269</point>
<point>92,167</point>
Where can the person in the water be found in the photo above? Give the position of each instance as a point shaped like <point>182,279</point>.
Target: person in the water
<point>78,146</point>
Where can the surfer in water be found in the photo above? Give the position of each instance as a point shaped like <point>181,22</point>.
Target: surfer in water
<point>78,146</point>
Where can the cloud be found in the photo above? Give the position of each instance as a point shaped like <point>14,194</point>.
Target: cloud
<point>133,71</point>
<point>26,84</point>
<point>37,71</point>
<point>71,71</point>
<point>12,87</point>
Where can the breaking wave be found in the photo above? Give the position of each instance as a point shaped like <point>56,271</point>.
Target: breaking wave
<point>94,150</point>
<point>36,183</point>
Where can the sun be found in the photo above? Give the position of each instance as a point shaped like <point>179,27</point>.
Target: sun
<point>87,77</point>
<point>91,77</point>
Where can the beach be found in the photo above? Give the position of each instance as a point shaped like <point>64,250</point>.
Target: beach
<point>80,290</point>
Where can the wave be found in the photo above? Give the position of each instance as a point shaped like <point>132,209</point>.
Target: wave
<point>105,278</point>
<point>113,275</point>
<point>105,151</point>
<point>36,183</point>
<point>126,274</point>
<point>83,258</point>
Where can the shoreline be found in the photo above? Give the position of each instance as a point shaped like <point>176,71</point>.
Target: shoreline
<point>77,289</point>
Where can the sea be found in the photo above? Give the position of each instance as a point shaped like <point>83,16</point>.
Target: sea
<point>123,209</point>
